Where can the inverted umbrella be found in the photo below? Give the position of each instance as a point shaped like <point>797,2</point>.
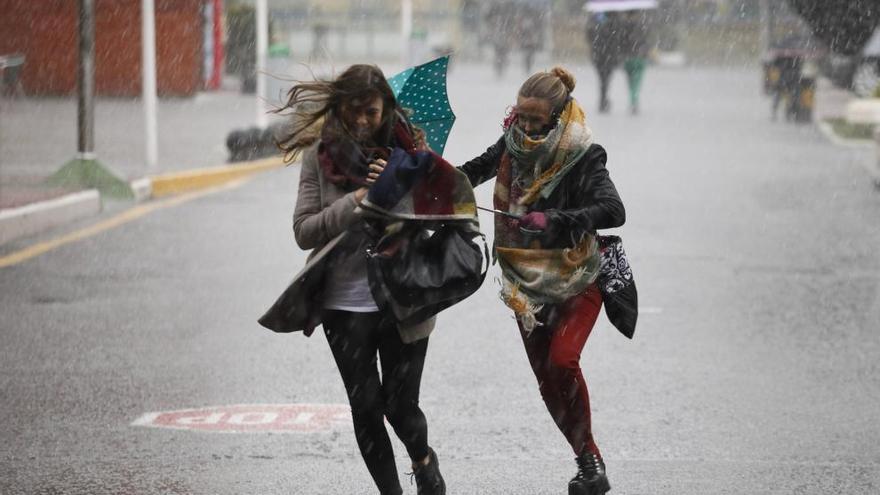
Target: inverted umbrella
<point>619,5</point>
<point>422,89</point>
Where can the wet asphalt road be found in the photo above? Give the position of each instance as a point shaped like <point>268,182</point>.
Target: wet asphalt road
<point>754,368</point>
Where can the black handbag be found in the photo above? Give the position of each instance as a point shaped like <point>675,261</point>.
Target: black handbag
<point>423,269</point>
<point>617,285</point>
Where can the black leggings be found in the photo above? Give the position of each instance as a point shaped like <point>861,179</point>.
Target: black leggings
<point>355,339</point>
<point>605,72</point>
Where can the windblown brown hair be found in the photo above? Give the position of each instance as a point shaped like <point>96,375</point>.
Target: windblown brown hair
<point>308,103</point>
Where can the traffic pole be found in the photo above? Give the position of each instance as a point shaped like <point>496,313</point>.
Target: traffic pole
<point>764,17</point>
<point>85,115</point>
<point>217,36</point>
<point>406,23</point>
<point>84,170</point>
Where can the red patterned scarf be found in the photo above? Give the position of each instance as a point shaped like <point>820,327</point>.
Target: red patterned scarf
<point>345,162</point>
<point>507,194</point>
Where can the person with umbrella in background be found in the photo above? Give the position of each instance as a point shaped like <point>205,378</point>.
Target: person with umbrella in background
<point>501,25</point>
<point>552,192</point>
<point>605,35</point>
<point>635,48</point>
<point>345,129</point>
<point>618,34</point>
<point>530,32</point>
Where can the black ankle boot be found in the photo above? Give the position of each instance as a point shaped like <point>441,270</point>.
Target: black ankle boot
<point>429,481</point>
<point>590,478</point>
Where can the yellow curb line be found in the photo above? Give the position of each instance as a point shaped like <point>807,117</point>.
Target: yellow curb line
<point>115,221</point>
<point>192,180</point>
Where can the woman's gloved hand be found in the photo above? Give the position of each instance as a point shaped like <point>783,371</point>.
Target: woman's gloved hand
<point>535,220</point>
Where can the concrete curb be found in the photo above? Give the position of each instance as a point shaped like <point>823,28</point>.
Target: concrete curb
<point>191,180</point>
<point>44,215</point>
<point>826,129</point>
<point>41,216</point>
<point>142,189</point>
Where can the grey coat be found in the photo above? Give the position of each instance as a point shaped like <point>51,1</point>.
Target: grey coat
<point>323,212</point>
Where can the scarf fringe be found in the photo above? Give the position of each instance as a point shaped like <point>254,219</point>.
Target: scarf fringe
<point>525,310</point>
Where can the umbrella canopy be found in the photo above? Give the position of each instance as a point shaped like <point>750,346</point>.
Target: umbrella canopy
<point>795,46</point>
<point>619,5</point>
<point>422,89</point>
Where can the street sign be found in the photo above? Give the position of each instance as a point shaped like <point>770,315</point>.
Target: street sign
<point>253,418</point>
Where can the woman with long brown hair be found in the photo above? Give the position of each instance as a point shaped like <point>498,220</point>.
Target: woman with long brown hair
<point>552,185</point>
<point>345,128</point>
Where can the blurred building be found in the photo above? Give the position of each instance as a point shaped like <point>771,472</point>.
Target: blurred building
<point>364,29</point>
<point>46,32</point>
<point>724,31</point>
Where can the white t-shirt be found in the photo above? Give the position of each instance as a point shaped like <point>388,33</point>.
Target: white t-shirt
<point>346,287</point>
<point>348,294</point>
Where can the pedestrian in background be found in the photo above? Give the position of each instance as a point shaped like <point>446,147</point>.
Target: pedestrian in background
<point>635,47</point>
<point>605,35</point>
<point>555,192</point>
<point>501,24</point>
<point>344,129</point>
<point>530,32</point>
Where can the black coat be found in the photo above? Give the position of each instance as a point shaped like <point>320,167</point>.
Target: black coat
<point>607,40</point>
<point>586,200</point>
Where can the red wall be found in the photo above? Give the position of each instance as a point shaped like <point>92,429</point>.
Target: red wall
<point>46,32</point>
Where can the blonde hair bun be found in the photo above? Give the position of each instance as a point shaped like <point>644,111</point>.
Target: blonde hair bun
<point>565,76</point>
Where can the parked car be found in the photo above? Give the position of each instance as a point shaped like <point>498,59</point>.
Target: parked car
<point>858,73</point>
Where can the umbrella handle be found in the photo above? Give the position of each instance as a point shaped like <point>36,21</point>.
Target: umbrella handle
<point>499,212</point>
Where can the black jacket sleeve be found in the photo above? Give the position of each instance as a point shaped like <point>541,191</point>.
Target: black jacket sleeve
<point>485,166</point>
<point>593,200</point>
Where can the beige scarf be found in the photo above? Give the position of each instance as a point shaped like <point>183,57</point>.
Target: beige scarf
<point>532,169</point>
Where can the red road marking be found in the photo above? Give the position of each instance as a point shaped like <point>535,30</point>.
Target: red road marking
<point>252,418</point>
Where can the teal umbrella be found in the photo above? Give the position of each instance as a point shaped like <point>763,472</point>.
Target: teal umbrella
<point>422,89</point>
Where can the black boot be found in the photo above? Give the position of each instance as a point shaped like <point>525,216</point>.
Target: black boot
<point>590,478</point>
<point>429,481</point>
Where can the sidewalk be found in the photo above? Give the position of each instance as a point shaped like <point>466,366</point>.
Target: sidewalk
<point>18,191</point>
<point>38,136</point>
<point>831,101</point>
<point>831,104</point>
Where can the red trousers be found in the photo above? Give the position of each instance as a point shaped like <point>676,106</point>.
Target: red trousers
<point>554,351</point>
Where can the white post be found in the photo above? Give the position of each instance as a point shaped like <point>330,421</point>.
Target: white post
<point>262,14</point>
<point>406,21</point>
<point>764,38</point>
<point>877,157</point>
<point>148,21</point>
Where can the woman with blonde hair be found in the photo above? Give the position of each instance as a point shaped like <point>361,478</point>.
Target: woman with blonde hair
<point>555,192</point>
